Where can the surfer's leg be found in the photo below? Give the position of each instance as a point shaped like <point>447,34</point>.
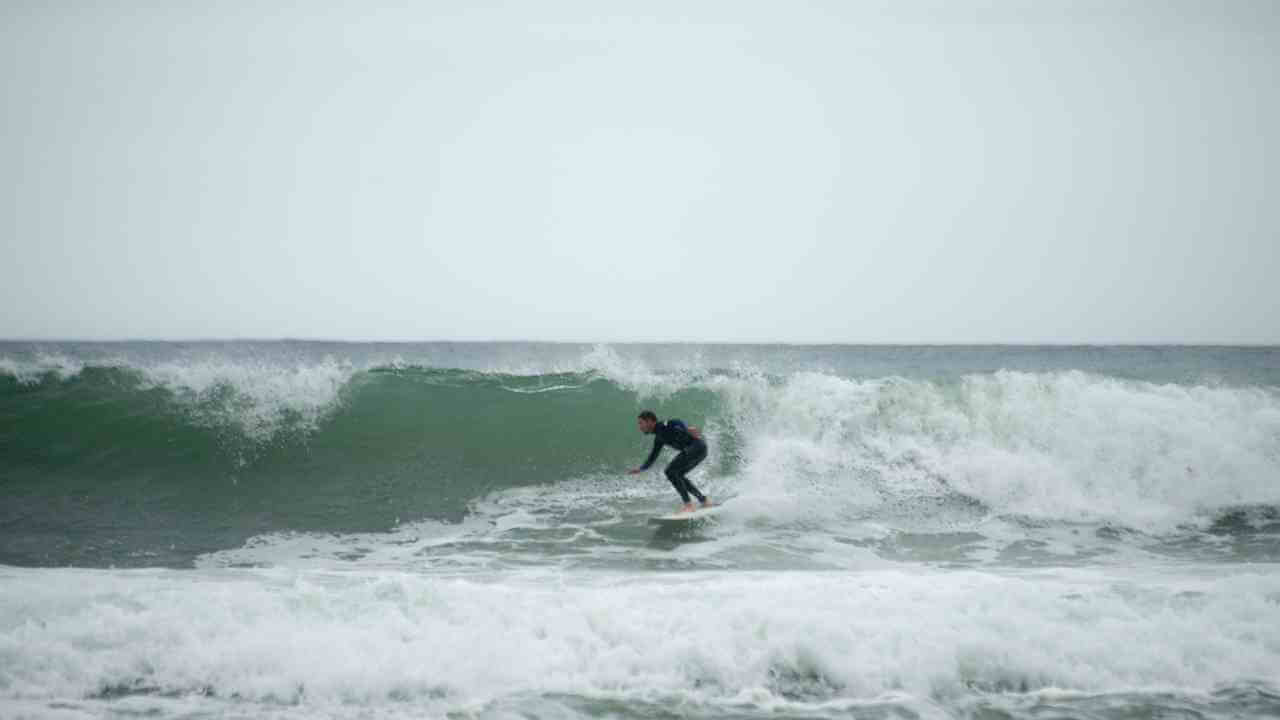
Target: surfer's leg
<point>683,463</point>
<point>695,455</point>
<point>695,492</point>
<point>675,474</point>
<point>678,483</point>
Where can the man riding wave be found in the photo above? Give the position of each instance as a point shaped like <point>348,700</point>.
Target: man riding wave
<point>693,450</point>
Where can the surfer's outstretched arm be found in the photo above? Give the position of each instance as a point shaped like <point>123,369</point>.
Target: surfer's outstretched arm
<point>653,455</point>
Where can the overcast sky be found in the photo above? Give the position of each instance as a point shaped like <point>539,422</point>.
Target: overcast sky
<point>717,171</point>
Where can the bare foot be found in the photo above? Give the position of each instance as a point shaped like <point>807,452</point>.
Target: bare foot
<point>688,508</point>
<point>706,503</point>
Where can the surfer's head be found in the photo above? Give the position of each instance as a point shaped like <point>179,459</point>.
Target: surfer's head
<point>645,421</point>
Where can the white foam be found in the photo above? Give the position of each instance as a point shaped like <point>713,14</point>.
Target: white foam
<point>262,395</point>
<point>540,390</point>
<point>30,370</point>
<point>1067,445</point>
<point>259,397</point>
<point>457,643</point>
<point>633,374</point>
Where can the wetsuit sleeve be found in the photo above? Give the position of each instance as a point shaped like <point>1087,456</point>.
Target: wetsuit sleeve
<point>653,454</point>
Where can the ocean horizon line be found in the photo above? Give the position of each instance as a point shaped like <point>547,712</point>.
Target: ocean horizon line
<point>721,342</point>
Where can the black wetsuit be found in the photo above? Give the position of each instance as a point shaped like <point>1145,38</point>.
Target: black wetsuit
<point>692,451</point>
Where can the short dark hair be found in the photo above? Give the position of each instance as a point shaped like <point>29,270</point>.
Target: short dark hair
<point>648,415</point>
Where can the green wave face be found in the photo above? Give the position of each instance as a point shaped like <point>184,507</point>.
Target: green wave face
<point>206,470</point>
<point>159,454</point>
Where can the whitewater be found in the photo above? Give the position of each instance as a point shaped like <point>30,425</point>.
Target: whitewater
<point>358,530</point>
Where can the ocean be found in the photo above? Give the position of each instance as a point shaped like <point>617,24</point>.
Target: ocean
<point>446,530</point>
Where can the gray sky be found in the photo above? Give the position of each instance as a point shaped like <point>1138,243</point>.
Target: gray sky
<point>717,171</point>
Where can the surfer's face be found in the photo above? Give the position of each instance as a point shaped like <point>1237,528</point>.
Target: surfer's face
<point>646,426</point>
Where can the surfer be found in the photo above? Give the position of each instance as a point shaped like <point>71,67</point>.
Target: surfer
<point>693,450</point>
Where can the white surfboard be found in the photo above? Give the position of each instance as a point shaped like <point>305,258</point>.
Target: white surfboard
<point>684,517</point>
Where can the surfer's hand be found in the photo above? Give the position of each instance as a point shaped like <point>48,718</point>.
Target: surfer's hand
<point>634,471</point>
<point>695,432</point>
